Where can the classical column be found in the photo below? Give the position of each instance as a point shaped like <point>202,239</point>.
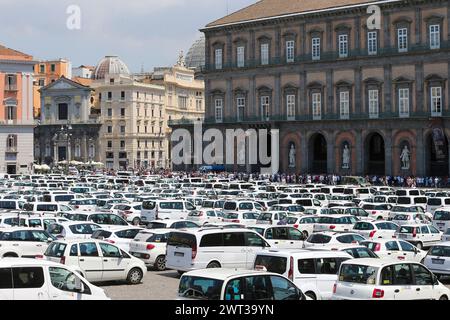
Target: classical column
<point>330,93</point>
<point>331,158</point>
<point>389,153</point>
<point>388,88</point>
<point>360,157</point>
<point>84,147</point>
<point>55,151</point>
<point>229,60</point>
<point>229,100</point>
<point>304,154</point>
<point>357,33</point>
<point>420,154</point>
<point>277,110</point>
<point>358,91</point>
<point>252,103</point>
<point>420,107</point>
<point>387,31</point>
<point>278,43</point>
<point>418,24</point>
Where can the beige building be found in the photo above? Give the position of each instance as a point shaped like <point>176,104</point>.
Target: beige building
<point>133,132</point>
<point>184,95</point>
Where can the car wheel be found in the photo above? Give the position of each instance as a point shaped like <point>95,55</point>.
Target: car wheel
<point>311,295</point>
<point>136,221</point>
<point>419,245</point>
<point>135,276</point>
<point>443,298</point>
<point>213,264</point>
<point>160,263</point>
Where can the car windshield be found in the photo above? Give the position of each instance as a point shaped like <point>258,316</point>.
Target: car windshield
<point>200,288</point>
<point>358,274</point>
<point>440,251</point>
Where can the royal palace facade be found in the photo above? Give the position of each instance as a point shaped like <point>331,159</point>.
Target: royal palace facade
<point>350,92</point>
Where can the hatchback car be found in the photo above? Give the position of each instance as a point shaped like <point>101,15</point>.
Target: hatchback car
<point>98,260</point>
<point>438,259</point>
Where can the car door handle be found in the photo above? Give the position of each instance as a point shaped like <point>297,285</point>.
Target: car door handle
<point>417,289</point>
<point>15,245</point>
<point>81,259</point>
<point>39,245</point>
<point>397,291</point>
<point>105,260</point>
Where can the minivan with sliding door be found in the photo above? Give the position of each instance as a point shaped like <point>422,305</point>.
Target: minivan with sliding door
<point>213,248</point>
<point>385,279</point>
<point>441,219</point>
<point>313,272</point>
<point>165,209</point>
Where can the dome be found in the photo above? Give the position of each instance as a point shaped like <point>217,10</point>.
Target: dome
<point>110,65</point>
<point>196,55</point>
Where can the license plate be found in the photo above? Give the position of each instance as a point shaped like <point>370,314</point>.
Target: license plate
<point>179,254</point>
<point>437,261</point>
<point>441,224</point>
<point>402,235</point>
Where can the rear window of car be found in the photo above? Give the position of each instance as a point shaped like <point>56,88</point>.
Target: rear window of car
<point>182,240</point>
<point>271,263</point>
<point>355,273</point>
<point>406,229</point>
<point>404,200</point>
<point>440,251</point>
<point>434,201</point>
<point>363,226</point>
<point>230,205</point>
<point>319,238</point>
<point>56,249</point>
<point>442,215</point>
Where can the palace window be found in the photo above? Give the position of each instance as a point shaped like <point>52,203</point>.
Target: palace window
<point>372,42</point>
<point>240,57</point>
<point>436,101</point>
<point>265,107</point>
<point>344,103</point>
<point>343,46</point>
<point>219,110</point>
<point>218,58</point>
<point>435,36</point>
<point>373,104</point>
<point>240,108</point>
<point>290,51</point>
<point>316,48</point>
<point>316,105</point>
<point>402,39</point>
<point>290,106</point>
<point>264,54</point>
<point>403,102</point>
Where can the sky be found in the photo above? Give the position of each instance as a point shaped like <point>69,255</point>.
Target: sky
<point>143,33</point>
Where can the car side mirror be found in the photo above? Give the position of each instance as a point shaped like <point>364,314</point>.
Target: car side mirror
<point>79,286</point>
<point>435,280</point>
<point>49,240</point>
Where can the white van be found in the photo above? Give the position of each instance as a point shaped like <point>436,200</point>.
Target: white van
<point>165,209</point>
<point>30,279</point>
<point>10,204</point>
<point>437,202</point>
<point>313,272</point>
<point>41,207</point>
<point>213,248</point>
<point>385,279</point>
<point>441,218</point>
<point>413,200</point>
